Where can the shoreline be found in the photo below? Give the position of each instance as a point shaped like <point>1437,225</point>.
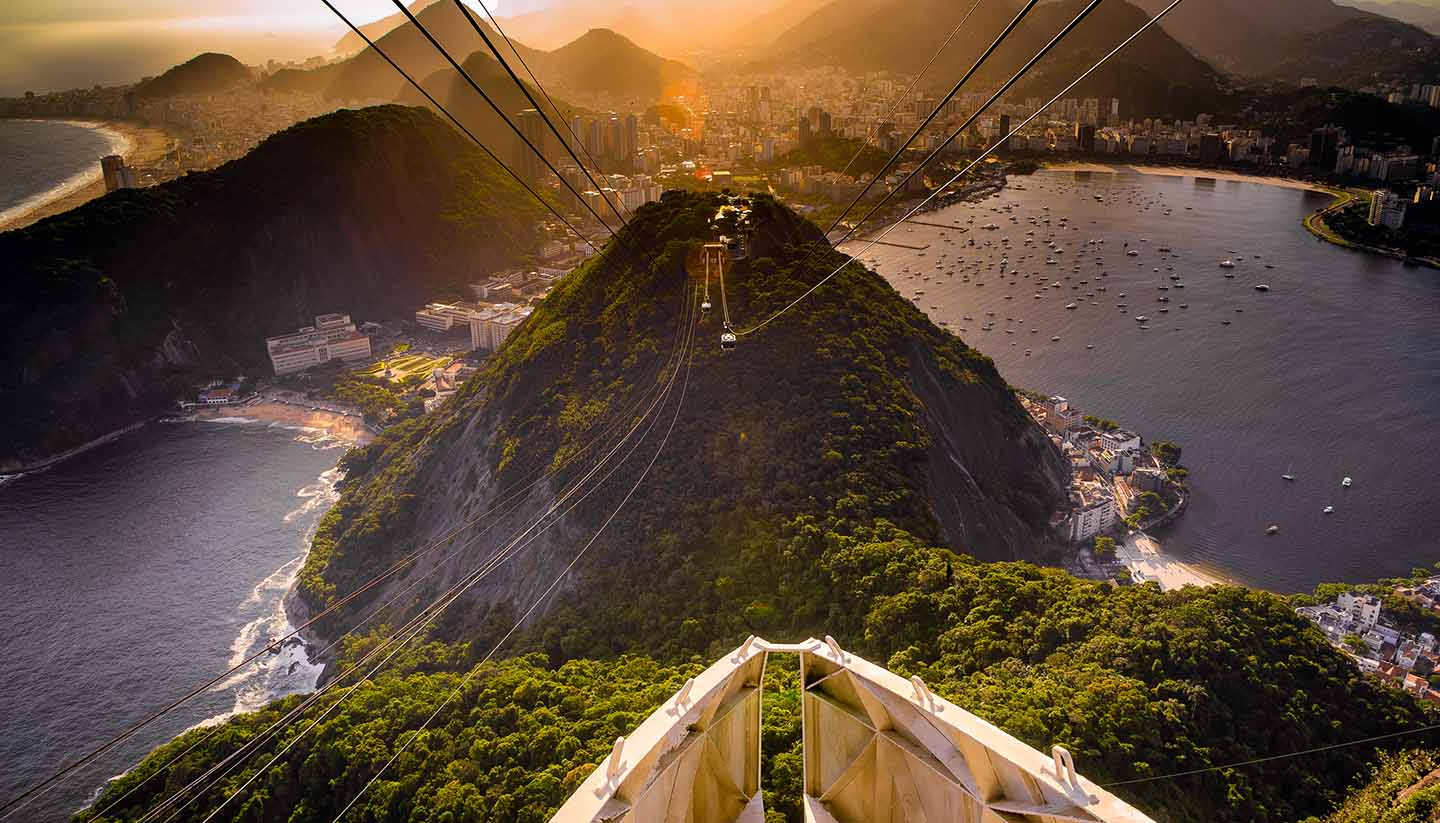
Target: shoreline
<point>345,428</point>
<point>140,145</point>
<point>13,472</point>
<point>1147,562</point>
<point>1185,171</point>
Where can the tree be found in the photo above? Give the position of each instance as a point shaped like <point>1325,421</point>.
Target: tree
<point>1104,546</point>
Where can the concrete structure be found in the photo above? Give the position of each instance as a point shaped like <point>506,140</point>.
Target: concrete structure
<point>1387,209</point>
<point>1364,609</point>
<point>333,337</point>
<point>488,325</point>
<point>1092,512</point>
<point>877,749</point>
<point>117,175</point>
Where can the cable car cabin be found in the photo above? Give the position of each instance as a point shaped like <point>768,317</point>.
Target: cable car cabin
<point>736,247</point>
<point>727,341</point>
<point>705,306</point>
<point>274,646</point>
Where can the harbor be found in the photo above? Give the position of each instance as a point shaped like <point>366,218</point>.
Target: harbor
<point>1225,368</point>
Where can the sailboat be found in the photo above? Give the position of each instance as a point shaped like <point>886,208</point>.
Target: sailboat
<point>1287,475</point>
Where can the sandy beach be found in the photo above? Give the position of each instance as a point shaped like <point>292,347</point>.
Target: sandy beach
<point>1142,555</point>
<point>348,428</point>
<point>142,145</point>
<point>1181,171</point>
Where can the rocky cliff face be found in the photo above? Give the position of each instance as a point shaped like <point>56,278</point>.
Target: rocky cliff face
<point>852,412</point>
<point>114,309</point>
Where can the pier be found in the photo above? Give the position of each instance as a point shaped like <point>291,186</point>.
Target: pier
<point>888,243</point>
<point>938,225</point>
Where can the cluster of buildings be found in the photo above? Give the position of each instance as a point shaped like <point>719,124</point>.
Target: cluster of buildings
<point>333,337</point>
<point>212,129</point>
<point>1110,469</point>
<point>1356,624</point>
<point>488,324</point>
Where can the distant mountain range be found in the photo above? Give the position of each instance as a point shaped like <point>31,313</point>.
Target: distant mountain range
<point>1425,16</point>
<point>868,35</point>
<point>598,63</point>
<point>351,42</point>
<point>684,26</point>
<point>1293,39</point>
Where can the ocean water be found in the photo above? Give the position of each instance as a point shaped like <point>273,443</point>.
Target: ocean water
<point>134,573</point>
<point>1334,372</point>
<point>42,159</point>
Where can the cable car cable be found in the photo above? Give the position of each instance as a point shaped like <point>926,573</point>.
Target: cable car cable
<point>475,24</point>
<point>975,67</point>
<point>871,134</point>
<point>851,258</point>
<point>465,75</point>
<point>543,596</point>
<point>457,594</point>
<point>496,23</point>
<point>969,121</point>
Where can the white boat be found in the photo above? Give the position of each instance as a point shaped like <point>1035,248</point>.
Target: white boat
<point>1273,530</point>
<point>1346,482</point>
<point>1262,287</point>
<point>1287,475</point>
<point>1227,264</point>
<point>1328,510</point>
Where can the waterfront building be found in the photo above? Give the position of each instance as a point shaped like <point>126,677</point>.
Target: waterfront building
<point>1387,209</point>
<point>117,174</point>
<point>1120,440</point>
<point>1363,609</point>
<point>333,337</point>
<point>1092,512</point>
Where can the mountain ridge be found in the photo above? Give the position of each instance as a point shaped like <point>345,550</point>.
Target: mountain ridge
<point>119,306</point>
<point>866,35</point>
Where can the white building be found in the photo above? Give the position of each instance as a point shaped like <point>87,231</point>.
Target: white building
<point>1120,440</point>
<point>490,328</point>
<point>1362,608</point>
<point>333,337</point>
<point>444,318</point>
<point>1093,512</point>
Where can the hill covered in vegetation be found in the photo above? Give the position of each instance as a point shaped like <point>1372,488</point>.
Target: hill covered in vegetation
<point>206,73</point>
<point>836,473</point>
<point>113,309</point>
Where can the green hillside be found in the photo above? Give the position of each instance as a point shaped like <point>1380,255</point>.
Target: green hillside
<point>120,305</point>
<point>805,490</point>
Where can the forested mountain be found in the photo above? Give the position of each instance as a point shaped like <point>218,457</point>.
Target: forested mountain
<point>868,35</point>
<point>889,418</point>
<point>840,472</point>
<point>113,309</point>
<point>203,74</point>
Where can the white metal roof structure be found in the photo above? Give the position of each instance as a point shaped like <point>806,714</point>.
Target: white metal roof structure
<point>877,749</point>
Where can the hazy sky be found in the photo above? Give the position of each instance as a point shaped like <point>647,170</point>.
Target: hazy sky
<point>59,44</point>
